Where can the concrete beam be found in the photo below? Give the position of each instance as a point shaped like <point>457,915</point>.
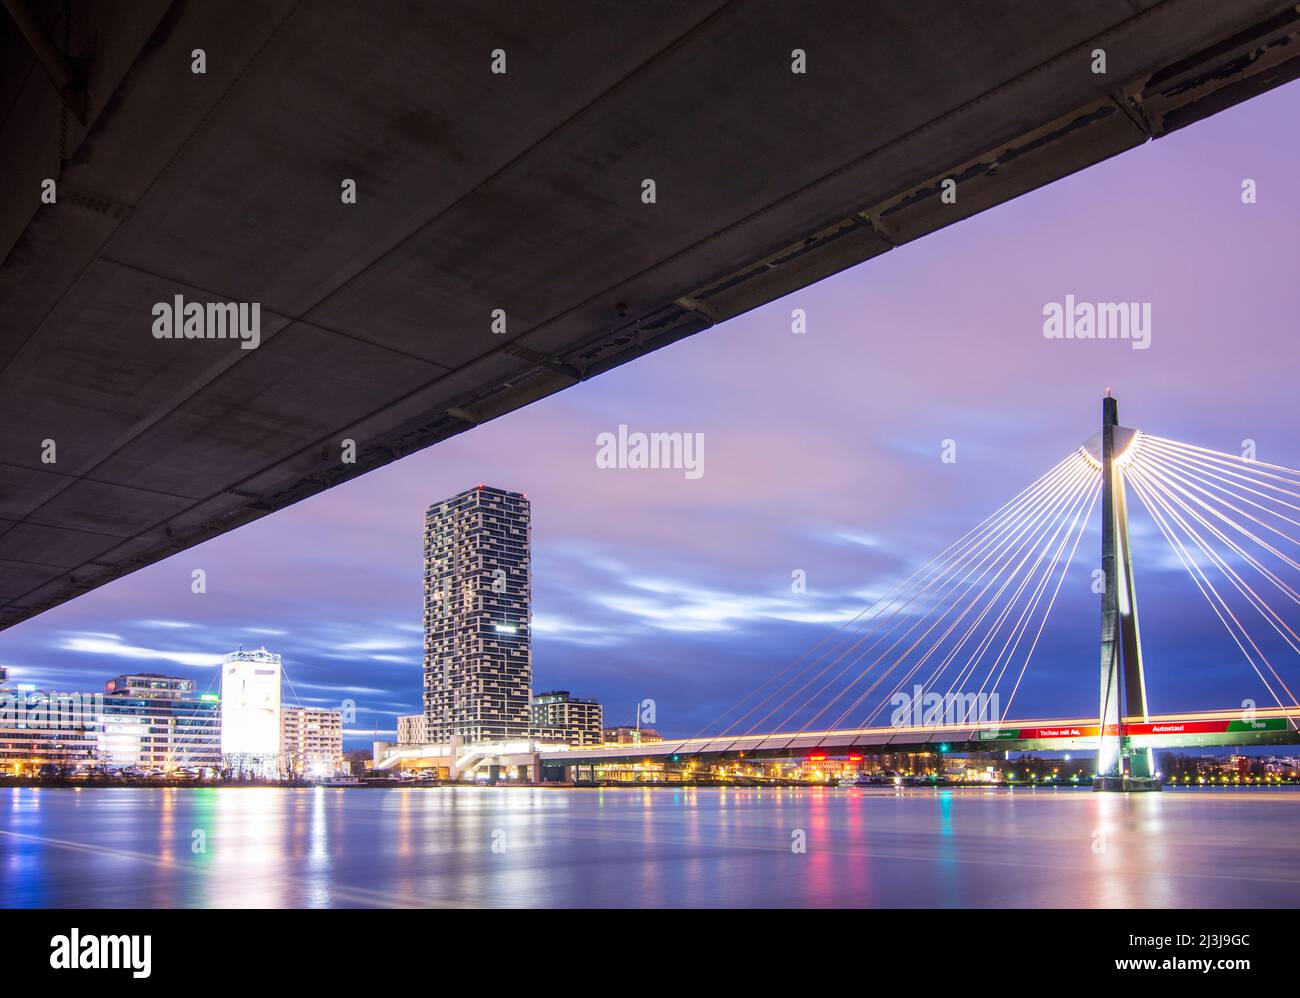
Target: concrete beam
<point>480,191</point>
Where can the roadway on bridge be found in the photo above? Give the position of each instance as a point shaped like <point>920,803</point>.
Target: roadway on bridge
<point>1271,726</point>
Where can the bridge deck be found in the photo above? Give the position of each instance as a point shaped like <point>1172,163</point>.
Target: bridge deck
<point>1223,727</point>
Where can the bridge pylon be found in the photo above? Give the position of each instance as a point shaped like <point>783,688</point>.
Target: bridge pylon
<point>1123,683</point>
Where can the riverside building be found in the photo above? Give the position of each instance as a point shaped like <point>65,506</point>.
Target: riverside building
<point>250,712</point>
<point>578,720</point>
<point>311,741</point>
<point>41,729</point>
<point>478,617</point>
<point>156,722</point>
<point>148,722</point>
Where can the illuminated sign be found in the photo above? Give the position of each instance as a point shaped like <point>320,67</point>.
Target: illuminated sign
<point>1214,727</point>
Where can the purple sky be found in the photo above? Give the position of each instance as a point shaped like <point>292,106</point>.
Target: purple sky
<point>822,453</point>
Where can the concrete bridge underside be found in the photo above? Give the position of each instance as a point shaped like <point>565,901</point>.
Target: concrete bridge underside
<point>478,191</point>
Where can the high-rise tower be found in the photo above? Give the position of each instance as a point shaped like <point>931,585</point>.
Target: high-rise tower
<point>478,666</point>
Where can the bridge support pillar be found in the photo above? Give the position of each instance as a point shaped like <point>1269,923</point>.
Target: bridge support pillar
<point>1123,684</point>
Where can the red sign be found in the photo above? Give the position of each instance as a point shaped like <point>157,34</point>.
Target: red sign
<point>1068,731</point>
<point>1178,728</point>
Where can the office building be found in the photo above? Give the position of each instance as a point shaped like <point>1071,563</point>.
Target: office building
<point>43,729</point>
<point>250,711</point>
<point>155,722</point>
<point>151,686</point>
<point>477,617</point>
<point>311,741</point>
<point>578,720</point>
<point>124,728</point>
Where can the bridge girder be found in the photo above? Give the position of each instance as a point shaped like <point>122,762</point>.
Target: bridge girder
<point>478,192</point>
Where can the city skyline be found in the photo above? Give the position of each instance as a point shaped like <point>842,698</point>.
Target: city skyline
<point>653,584</point>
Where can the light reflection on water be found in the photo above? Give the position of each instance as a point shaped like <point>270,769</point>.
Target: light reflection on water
<point>266,847</point>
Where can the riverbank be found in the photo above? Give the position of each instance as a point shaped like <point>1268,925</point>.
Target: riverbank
<point>383,783</point>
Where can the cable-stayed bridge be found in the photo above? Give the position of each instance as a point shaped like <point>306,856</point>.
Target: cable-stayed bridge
<point>936,663</point>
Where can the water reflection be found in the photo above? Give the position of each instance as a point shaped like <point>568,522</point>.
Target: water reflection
<point>260,847</point>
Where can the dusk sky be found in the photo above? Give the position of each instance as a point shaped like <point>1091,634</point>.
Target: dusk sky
<point>822,453</point>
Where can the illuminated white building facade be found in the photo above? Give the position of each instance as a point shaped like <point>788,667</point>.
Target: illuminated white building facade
<point>250,711</point>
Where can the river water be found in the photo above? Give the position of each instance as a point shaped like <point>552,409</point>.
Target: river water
<point>418,847</point>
